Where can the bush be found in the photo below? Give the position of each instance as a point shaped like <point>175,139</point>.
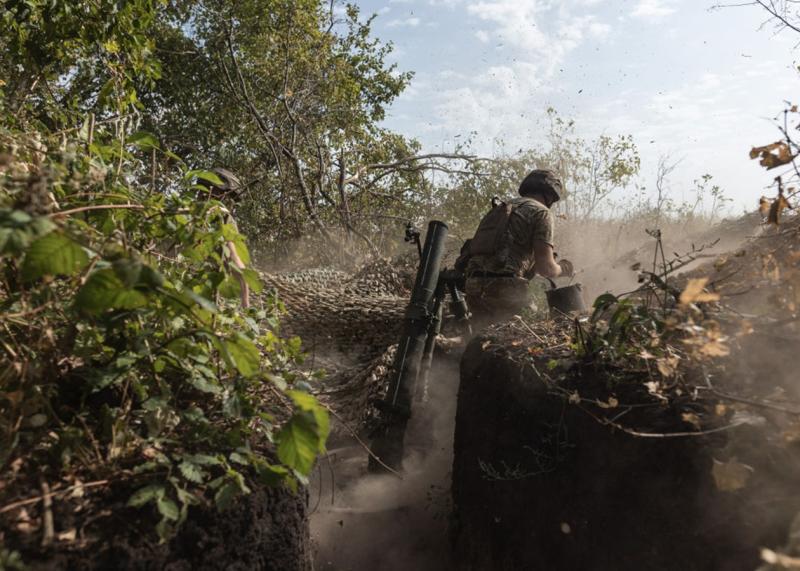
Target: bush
<point>123,348</point>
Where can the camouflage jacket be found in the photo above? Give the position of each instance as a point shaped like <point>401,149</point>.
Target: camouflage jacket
<point>530,220</point>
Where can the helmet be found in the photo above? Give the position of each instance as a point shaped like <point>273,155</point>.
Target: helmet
<point>542,180</point>
<point>230,183</point>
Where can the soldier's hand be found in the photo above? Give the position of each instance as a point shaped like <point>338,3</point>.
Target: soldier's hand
<point>567,269</point>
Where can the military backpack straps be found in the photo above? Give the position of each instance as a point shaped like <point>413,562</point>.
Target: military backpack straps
<point>489,235</point>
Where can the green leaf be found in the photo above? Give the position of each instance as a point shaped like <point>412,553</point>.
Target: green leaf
<point>104,290</point>
<point>230,288</point>
<point>201,301</point>
<point>53,254</point>
<point>253,280</point>
<point>147,494</point>
<point>208,176</point>
<point>159,365</point>
<point>204,384</point>
<point>192,472</point>
<point>307,403</point>
<point>602,303</point>
<point>269,474</point>
<point>299,442</point>
<point>151,277</point>
<point>243,354</point>
<point>143,140</point>
<point>204,460</point>
<point>225,495</point>
<point>128,270</point>
<point>19,217</point>
<point>168,509</point>
<point>229,232</point>
<point>105,92</point>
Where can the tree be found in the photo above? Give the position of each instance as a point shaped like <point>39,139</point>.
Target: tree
<point>289,96</point>
<point>784,14</point>
<point>591,171</point>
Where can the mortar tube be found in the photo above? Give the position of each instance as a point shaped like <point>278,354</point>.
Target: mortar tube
<point>388,443</point>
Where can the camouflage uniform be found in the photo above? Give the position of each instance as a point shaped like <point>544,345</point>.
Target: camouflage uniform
<point>496,285</point>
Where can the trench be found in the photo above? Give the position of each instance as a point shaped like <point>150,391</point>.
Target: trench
<point>377,521</point>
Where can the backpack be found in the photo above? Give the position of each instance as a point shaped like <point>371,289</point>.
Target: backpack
<point>489,235</point>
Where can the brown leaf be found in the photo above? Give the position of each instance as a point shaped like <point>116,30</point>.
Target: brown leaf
<point>68,536</point>
<point>773,155</point>
<point>715,348</point>
<point>776,208</point>
<point>730,476</point>
<point>763,206</point>
<point>667,366</point>
<point>694,292</point>
<point>691,418</point>
<point>612,403</point>
<point>792,434</point>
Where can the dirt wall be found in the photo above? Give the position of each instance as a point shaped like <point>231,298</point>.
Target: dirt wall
<point>539,484</point>
<point>266,530</point>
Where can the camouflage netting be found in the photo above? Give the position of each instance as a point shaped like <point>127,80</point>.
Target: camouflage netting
<point>349,325</point>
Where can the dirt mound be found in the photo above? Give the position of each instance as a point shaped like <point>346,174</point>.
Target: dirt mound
<point>265,530</point>
<point>540,481</point>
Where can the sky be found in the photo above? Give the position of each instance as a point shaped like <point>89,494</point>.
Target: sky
<point>699,85</point>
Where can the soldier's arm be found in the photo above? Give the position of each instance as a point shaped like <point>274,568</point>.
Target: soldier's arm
<point>544,262</point>
<point>238,270</point>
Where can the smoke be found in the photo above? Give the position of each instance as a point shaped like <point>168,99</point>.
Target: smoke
<point>362,521</point>
<point>368,521</point>
<point>605,252</point>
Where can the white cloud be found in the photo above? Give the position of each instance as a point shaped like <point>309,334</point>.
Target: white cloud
<point>543,30</point>
<point>652,9</point>
<point>599,30</point>
<point>411,22</point>
<point>507,100</point>
<point>483,36</point>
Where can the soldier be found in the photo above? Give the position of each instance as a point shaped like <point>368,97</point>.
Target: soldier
<point>228,192</point>
<point>513,242</point>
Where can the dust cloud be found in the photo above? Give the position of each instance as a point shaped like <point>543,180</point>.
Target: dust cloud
<point>367,521</point>
<point>362,521</point>
<point>605,252</point>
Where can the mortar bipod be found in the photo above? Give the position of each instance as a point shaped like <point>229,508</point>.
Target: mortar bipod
<point>451,282</point>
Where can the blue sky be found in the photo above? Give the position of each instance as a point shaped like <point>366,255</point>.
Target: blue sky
<point>697,84</point>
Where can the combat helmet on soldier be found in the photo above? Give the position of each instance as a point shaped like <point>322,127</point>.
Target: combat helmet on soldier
<point>544,182</point>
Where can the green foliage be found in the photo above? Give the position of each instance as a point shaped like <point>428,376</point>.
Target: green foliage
<point>118,349</point>
<point>288,96</point>
<point>11,560</point>
<point>60,56</point>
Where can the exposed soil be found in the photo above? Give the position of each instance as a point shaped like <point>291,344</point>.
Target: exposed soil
<point>540,484</point>
<point>265,530</point>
